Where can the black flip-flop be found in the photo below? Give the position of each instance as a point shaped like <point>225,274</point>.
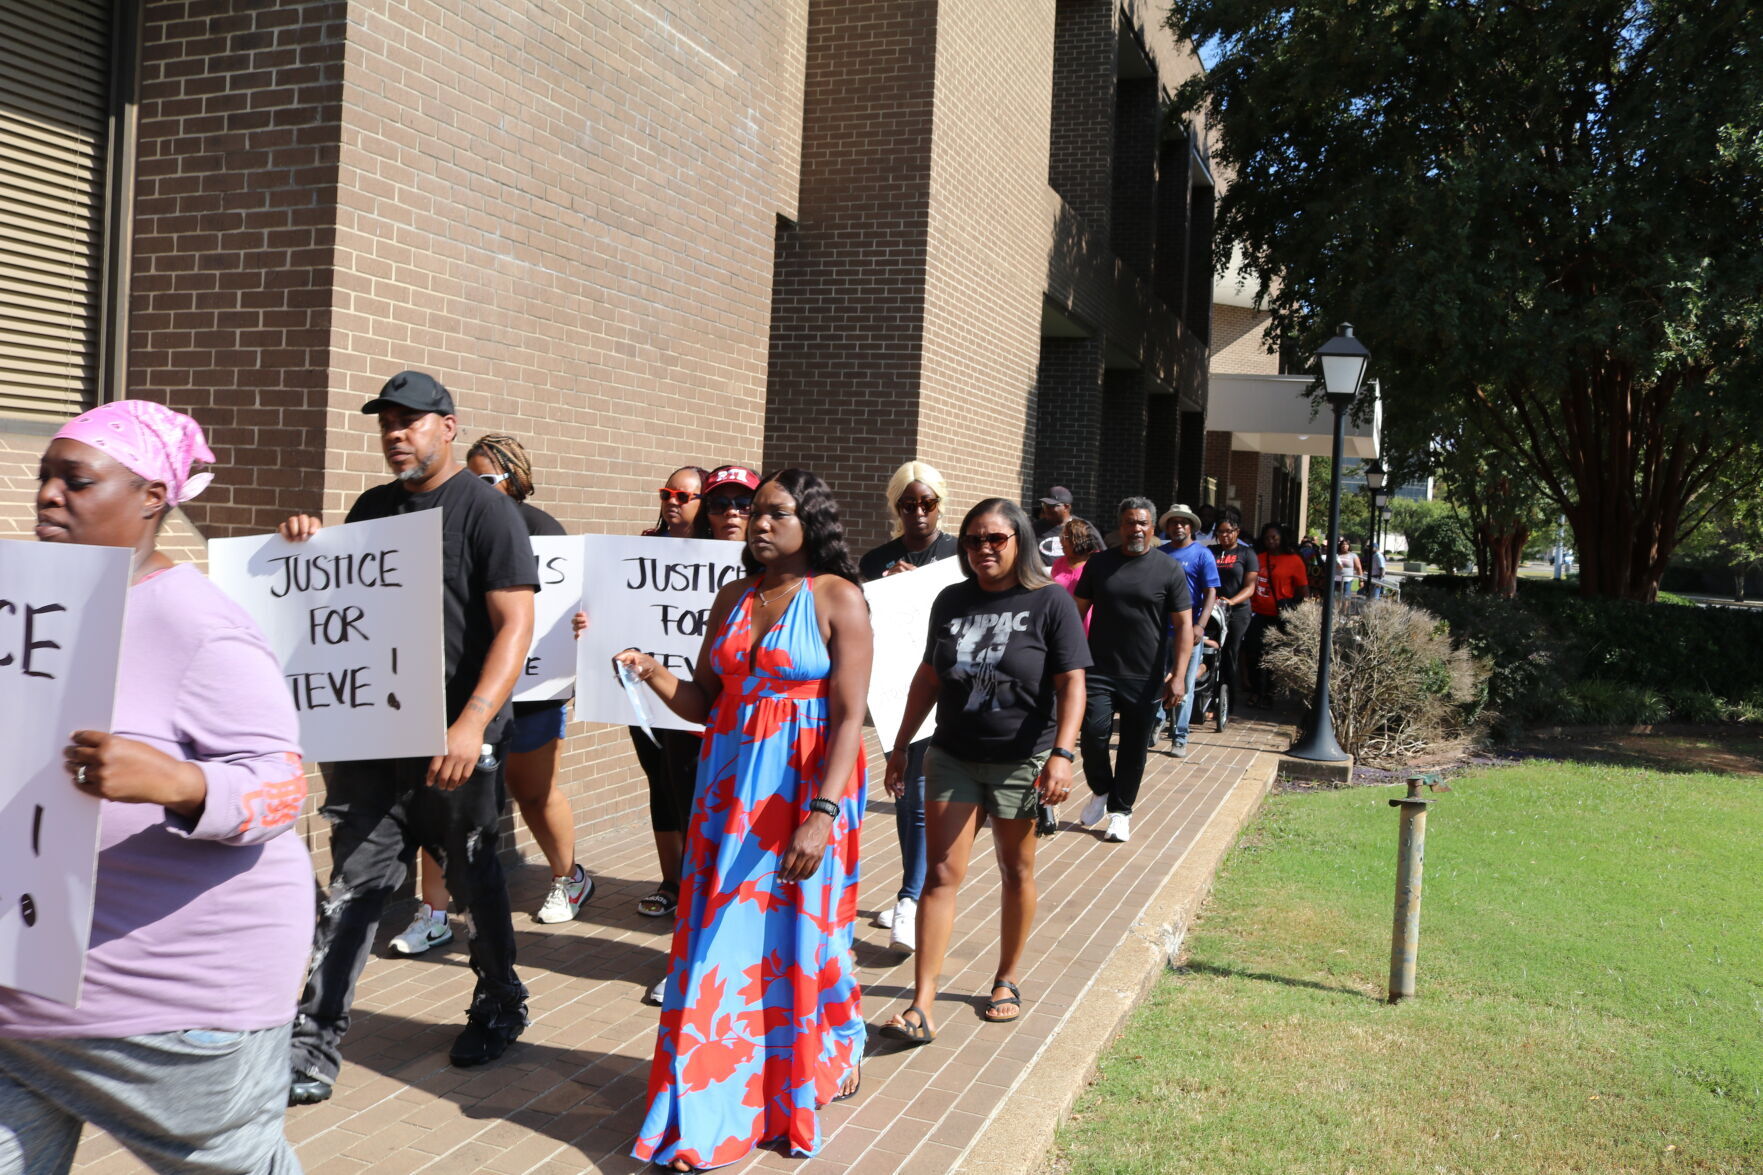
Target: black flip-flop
<point>1013,999</point>
<point>913,1034</point>
<point>658,904</point>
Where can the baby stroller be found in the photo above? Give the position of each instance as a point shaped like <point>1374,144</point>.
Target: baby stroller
<point>1211,694</point>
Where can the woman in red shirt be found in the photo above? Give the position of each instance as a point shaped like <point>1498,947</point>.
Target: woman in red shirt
<point>1284,582</point>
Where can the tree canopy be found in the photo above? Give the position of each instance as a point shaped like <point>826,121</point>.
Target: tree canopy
<point>1545,216</point>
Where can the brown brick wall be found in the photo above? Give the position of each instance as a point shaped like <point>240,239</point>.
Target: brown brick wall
<point>1069,379</point>
<point>234,226</point>
<point>1081,163</point>
<point>986,262</point>
<point>1239,342</point>
<point>1121,464</point>
<point>846,347</point>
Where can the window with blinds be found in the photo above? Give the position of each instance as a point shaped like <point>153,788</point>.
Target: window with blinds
<point>54,105</point>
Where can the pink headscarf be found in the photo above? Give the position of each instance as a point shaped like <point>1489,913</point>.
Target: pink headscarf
<point>150,440</point>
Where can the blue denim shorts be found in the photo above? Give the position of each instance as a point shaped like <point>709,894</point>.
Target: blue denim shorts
<point>538,729</point>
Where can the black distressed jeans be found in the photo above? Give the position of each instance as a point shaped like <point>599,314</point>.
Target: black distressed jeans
<point>381,812</point>
<point>1135,700</point>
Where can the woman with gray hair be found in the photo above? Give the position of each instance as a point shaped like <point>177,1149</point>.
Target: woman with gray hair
<point>915,498</point>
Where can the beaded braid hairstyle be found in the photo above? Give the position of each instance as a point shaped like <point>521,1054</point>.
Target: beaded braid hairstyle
<point>508,456</point>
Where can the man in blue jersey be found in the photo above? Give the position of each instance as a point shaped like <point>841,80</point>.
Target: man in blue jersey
<point>1196,559</point>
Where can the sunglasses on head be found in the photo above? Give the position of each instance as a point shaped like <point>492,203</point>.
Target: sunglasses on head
<point>494,479</point>
<point>917,505</point>
<point>675,497</point>
<point>995,541</point>
<point>728,503</point>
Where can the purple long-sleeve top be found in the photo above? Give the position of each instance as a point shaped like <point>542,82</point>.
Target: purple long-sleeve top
<point>204,923</point>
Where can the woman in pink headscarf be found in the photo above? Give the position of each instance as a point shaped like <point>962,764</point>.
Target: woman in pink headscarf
<point>178,1046</point>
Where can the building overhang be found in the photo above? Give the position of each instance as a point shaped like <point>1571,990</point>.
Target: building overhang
<point>1273,414</point>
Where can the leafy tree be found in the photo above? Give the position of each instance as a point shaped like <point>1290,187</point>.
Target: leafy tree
<point>1355,507</point>
<point>1730,537</point>
<point>1547,217</point>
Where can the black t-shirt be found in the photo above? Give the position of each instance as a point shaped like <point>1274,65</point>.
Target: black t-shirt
<point>538,523</point>
<point>484,548</point>
<point>1234,565</point>
<point>1131,598</point>
<point>872,565</point>
<point>995,654</point>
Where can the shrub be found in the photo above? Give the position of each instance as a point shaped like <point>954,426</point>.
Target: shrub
<point>1595,702</point>
<point>1399,687</point>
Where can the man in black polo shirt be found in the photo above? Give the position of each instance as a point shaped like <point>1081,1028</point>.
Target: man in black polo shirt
<point>383,810</point>
<point>1135,604</point>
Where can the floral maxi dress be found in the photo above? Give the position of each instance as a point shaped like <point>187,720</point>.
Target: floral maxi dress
<point>760,1020</point>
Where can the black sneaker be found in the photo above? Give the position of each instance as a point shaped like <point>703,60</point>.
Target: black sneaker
<point>307,1089</point>
<point>484,1039</point>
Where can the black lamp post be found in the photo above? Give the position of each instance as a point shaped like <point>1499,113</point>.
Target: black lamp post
<point>1376,477</point>
<point>1343,360</point>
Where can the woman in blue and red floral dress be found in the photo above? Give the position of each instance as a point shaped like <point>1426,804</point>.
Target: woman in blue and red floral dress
<point>760,1020</point>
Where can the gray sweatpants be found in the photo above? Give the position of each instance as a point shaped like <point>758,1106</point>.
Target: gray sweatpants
<point>202,1102</point>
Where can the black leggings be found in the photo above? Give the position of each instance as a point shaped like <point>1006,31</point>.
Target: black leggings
<point>672,771</point>
<point>1254,646</point>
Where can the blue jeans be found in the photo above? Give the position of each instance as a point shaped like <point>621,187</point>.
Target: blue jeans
<point>909,823</point>
<point>1187,699</point>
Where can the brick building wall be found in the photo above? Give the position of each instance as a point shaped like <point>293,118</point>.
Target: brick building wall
<point>1239,341</point>
<point>986,261</point>
<point>848,301</point>
<point>1069,378</point>
<point>229,310</point>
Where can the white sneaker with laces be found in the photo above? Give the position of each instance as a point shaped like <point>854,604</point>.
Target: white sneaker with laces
<point>885,918</point>
<point>905,926</point>
<point>427,930</point>
<point>565,897</point>
<point>1093,811</point>
<point>1118,829</point>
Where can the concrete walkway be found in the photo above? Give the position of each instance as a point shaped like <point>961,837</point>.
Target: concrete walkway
<point>983,1098</point>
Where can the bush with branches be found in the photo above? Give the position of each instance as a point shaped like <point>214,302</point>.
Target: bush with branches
<point>1399,688</point>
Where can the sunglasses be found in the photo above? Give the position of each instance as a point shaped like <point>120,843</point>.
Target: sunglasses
<point>921,506</point>
<point>995,541</point>
<point>729,504</point>
<point>494,479</point>
<point>675,497</point>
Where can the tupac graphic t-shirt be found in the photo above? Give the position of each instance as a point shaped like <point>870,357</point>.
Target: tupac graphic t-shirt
<point>995,654</point>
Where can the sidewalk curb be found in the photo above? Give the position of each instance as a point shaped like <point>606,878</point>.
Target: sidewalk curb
<point>1018,1137</point>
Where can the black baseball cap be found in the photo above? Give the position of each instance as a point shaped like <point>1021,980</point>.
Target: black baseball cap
<point>1057,496</point>
<point>415,390</point>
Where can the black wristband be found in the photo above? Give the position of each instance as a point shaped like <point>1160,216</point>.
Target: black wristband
<point>1063,754</point>
<point>824,806</point>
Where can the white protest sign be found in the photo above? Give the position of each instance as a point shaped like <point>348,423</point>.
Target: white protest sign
<point>549,673</point>
<point>649,593</point>
<point>354,617</point>
<point>899,612</point>
<point>60,633</point>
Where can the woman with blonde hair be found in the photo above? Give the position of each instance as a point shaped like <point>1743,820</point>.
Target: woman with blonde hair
<point>915,498</point>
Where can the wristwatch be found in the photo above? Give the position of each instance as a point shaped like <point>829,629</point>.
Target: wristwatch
<point>824,806</point>
<point>1063,754</point>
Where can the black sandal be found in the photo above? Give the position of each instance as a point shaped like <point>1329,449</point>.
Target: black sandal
<point>659,904</point>
<point>913,1034</point>
<point>1014,999</point>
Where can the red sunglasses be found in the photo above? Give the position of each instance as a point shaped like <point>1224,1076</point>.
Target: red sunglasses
<point>676,497</point>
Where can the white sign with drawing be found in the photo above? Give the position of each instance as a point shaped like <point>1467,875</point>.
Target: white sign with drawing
<point>899,611</point>
<point>354,617</point>
<point>61,612</point>
<point>549,673</point>
<point>652,594</point>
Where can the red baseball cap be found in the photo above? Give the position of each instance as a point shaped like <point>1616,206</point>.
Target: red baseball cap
<point>724,475</point>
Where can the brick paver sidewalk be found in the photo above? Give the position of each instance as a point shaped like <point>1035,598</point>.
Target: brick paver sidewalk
<point>568,1096</point>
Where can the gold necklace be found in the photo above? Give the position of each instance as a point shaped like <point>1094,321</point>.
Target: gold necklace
<point>779,594</point>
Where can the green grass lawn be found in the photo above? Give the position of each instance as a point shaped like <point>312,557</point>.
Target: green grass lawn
<point>1590,991</point>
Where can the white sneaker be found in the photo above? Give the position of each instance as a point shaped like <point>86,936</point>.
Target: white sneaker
<point>1093,811</point>
<point>565,897</point>
<point>657,993</point>
<point>885,918</point>
<point>905,926</point>
<point>1118,829</point>
<point>427,930</point>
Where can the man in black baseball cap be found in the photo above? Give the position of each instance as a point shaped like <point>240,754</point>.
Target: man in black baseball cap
<point>1054,513</point>
<point>382,810</point>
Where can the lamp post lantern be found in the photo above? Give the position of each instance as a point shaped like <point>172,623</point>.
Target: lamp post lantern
<point>1343,360</point>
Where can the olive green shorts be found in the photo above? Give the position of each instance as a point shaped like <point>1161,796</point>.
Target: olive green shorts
<point>1005,790</point>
